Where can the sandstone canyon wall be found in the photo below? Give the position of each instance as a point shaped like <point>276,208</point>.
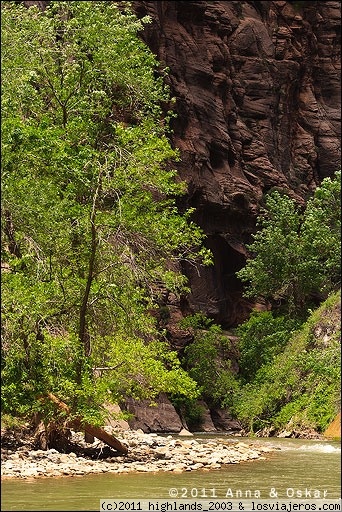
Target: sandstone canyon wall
<point>257,88</point>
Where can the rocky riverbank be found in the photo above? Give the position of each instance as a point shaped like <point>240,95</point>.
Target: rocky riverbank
<point>147,453</point>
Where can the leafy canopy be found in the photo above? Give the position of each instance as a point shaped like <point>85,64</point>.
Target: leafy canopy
<point>261,338</point>
<point>91,232</point>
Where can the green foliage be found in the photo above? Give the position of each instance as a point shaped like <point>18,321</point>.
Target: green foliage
<point>207,361</point>
<point>301,384</point>
<point>261,338</point>
<point>11,422</point>
<point>292,377</point>
<point>294,254</point>
<point>321,236</point>
<point>90,228</point>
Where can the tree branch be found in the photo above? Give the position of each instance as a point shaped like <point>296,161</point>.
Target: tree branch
<point>82,334</point>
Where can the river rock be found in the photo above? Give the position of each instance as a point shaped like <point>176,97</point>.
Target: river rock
<point>285,433</point>
<point>158,417</point>
<point>223,420</point>
<point>150,453</point>
<point>185,432</point>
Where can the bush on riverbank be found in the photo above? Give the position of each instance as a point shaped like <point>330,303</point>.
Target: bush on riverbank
<point>300,387</point>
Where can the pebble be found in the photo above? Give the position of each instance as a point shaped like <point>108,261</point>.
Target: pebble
<point>147,453</point>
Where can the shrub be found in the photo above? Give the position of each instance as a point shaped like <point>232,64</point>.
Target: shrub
<point>207,361</point>
<point>261,338</point>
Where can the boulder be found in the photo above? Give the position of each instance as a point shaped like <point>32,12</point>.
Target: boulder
<point>160,416</point>
<point>223,421</point>
<point>114,420</point>
<point>185,432</point>
<point>207,424</point>
<point>334,429</point>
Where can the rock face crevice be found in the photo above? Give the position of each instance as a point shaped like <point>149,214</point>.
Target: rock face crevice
<point>257,88</point>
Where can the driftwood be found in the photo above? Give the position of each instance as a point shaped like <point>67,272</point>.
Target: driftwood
<point>90,430</point>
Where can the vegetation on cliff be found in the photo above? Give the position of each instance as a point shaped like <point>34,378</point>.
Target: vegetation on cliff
<point>296,255</point>
<point>289,357</point>
<point>289,370</point>
<point>300,386</point>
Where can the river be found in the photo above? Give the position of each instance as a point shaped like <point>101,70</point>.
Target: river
<point>295,465</point>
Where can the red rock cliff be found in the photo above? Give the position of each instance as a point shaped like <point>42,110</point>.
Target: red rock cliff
<point>258,101</point>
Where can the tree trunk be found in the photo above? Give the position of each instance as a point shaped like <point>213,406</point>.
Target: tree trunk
<point>91,430</point>
<point>58,437</point>
<point>106,438</point>
<point>9,231</point>
<point>83,335</point>
<point>40,437</point>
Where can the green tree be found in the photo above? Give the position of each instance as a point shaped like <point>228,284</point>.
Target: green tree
<point>90,228</point>
<point>296,255</point>
<point>321,236</point>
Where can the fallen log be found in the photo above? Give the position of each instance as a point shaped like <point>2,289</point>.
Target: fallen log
<point>91,430</point>
<point>105,437</point>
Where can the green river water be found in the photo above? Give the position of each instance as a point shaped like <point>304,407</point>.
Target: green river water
<point>295,465</point>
